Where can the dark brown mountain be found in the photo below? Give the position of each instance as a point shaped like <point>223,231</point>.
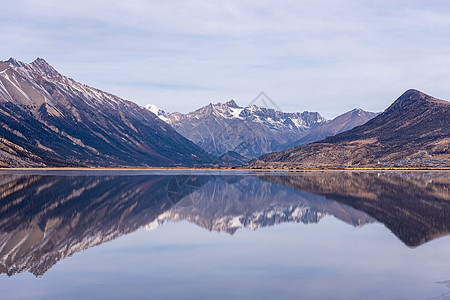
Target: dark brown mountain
<point>413,131</point>
<point>414,206</point>
<point>341,123</point>
<point>47,119</point>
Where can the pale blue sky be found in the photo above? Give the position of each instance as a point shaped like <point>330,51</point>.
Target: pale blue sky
<point>326,56</point>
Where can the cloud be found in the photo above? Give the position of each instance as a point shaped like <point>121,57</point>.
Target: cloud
<point>325,56</point>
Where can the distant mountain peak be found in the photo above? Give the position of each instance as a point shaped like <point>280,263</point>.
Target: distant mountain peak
<point>413,93</point>
<point>157,111</point>
<point>362,113</point>
<point>412,98</point>
<point>42,64</point>
<point>14,62</point>
<point>228,104</point>
<point>44,67</point>
<point>232,103</point>
<point>153,108</point>
<point>38,66</point>
<point>40,60</point>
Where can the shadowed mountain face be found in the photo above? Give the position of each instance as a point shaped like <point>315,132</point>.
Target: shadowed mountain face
<point>413,131</point>
<point>47,119</point>
<point>414,206</point>
<point>44,219</point>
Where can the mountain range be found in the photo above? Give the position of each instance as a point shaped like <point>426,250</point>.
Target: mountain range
<point>250,131</point>
<point>413,132</point>
<point>253,131</point>
<point>48,119</point>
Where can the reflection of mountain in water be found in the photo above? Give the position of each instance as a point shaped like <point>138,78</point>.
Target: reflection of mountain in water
<point>414,206</point>
<point>44,219</point>
<point>227,203</point>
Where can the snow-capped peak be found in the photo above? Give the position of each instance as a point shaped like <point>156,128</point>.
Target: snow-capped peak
<point>232,104</point>
<point>153,108</point>
<point>158,112</point>
<point>14,62</point>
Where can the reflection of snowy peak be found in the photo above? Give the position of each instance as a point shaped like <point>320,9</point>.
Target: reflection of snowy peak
<point>249,131</point>
<point>259,219</point>
<point>227,204</point>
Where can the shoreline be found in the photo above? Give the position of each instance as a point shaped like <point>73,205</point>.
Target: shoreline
<point>226,169</point>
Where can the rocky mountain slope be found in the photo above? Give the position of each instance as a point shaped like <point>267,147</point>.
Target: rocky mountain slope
<point>48,119</point>
<point>413,131</point>
<point>250,131</point>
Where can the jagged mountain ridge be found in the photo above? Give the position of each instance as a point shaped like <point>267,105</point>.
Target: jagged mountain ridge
<point>413,131</point>
<point>48,119</point>
<point>250,131</point>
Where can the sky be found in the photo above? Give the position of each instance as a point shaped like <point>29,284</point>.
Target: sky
<point>325,56</point>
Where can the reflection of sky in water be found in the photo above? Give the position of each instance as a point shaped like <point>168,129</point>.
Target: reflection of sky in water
<point>329,260</point>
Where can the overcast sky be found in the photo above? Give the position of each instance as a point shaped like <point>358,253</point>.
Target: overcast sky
<point>326,56</point>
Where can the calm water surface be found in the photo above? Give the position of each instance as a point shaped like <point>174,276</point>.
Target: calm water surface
<point>224,235</point>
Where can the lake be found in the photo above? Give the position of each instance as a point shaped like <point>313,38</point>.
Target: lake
<point>183,234</point>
